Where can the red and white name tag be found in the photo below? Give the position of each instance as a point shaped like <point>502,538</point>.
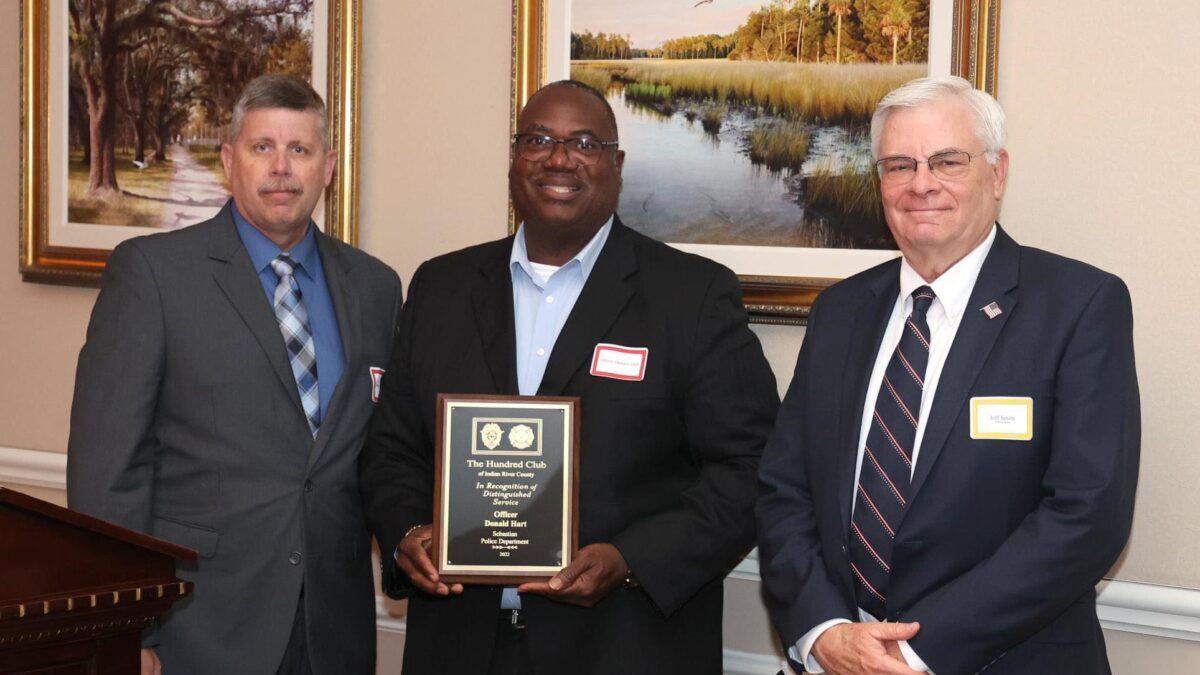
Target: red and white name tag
<point>376,381</point>
<point>620,363</point>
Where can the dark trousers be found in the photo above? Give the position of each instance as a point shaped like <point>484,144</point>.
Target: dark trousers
<point>510,654</point>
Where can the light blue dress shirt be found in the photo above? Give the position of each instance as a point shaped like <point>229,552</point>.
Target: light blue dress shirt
<point>540,308</point>
<point>310,275</point>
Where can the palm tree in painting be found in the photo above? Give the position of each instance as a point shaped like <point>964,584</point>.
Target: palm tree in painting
<point>841,8</point>
<point>781,26</point>
<point>802,10</point>
<point>896,22</point>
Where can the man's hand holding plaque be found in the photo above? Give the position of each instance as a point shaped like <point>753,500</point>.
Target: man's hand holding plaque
<point>412,555</point>
<point>594,573</point>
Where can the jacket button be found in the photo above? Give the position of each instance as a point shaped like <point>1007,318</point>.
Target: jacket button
<point>308,486</point>
<point>295,558</point>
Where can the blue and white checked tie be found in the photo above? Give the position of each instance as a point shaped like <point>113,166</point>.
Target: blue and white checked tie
<point>302,351</point>
<point>887,459</point>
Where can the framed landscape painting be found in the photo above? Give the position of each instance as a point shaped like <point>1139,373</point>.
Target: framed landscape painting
<point>746,122</point>
<point>125,105</point>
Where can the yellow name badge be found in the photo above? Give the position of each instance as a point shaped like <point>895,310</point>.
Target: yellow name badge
<point>1005,418</point>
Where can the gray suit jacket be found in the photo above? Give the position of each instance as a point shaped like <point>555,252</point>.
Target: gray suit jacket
<point>186,425</point>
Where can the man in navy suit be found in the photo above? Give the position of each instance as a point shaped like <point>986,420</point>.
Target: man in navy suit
<point>957,454</point>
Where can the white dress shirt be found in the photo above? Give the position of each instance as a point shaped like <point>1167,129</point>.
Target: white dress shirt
<point>543,297</point>
<point>953,290</point>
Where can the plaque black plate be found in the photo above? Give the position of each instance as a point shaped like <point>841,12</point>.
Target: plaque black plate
<point>506,487</point>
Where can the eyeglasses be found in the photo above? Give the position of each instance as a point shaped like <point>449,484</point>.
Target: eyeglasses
<point>951,165</point>
<point>539,147</point>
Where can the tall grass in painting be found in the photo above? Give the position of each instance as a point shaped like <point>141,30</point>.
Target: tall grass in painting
<point>596,78</point>
<point>712,118</point>
<point>648,93</point>
<point>710,115</point>
<point>833,94</point>
<point>852,190</point>
<point>779,144</point>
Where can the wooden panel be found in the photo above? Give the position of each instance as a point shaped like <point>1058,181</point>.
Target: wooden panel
<point>76,592</point>
<point>50,551</point>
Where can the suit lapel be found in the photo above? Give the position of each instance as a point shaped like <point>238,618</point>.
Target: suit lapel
<point>972,345</point>
<point>492,299</point>
<point>346,309</point>
<point>235,275</point>
<point>866,334</point>
<point>604,295</point>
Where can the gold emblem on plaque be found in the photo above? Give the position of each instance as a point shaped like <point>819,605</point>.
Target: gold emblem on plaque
<point>491,435</point>
<point>506,436</point>
<point>520,436</point>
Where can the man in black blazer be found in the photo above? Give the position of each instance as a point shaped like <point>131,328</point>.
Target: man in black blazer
<point>189,422</point>
<point>668,457</point>
<point>958,450</point>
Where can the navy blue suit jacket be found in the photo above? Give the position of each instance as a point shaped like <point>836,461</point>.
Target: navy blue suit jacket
<point>1003,541</point>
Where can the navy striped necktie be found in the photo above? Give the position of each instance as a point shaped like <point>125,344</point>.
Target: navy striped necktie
<point>886,471</point>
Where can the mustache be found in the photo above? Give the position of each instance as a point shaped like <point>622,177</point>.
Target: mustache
<point>281,185</point>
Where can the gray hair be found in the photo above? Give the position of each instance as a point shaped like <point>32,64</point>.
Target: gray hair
<point>280,91</point>
<point>989,116</point>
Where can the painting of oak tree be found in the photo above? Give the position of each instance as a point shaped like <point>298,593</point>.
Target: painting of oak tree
<point>151,90</point>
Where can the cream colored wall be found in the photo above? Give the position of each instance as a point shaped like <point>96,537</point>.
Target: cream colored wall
<point>1099,95</point>
<point>51,495</point>
<point>1102,119</point>
<point>41,328</point>
<point>434,127</point>
<point>1131,654</point>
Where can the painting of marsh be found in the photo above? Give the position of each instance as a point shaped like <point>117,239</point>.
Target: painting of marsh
<point>747,122</point>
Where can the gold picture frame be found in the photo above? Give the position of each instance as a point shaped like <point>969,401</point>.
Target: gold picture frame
<point>770,297</point>
<point>43,259</point>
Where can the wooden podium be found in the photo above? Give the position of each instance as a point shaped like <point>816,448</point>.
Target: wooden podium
<point>76,592</point>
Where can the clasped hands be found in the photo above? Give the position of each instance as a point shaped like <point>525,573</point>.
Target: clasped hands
<point>596,570</point>
<point>864,648</point>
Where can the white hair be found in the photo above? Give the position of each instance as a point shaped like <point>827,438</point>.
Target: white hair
<point>989,116</point>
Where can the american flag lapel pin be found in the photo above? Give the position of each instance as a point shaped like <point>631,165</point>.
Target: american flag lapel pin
<point>992,310</point>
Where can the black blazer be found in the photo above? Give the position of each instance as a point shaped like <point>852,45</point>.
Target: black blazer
<point>1003,541</point>
<point>667,464</point>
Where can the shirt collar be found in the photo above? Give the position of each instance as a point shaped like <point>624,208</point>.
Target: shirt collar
<point>585,259</point>
<point>262,250</point>
<point>953,288</point>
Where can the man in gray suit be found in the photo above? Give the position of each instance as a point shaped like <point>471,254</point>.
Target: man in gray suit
<point>221,401</point>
